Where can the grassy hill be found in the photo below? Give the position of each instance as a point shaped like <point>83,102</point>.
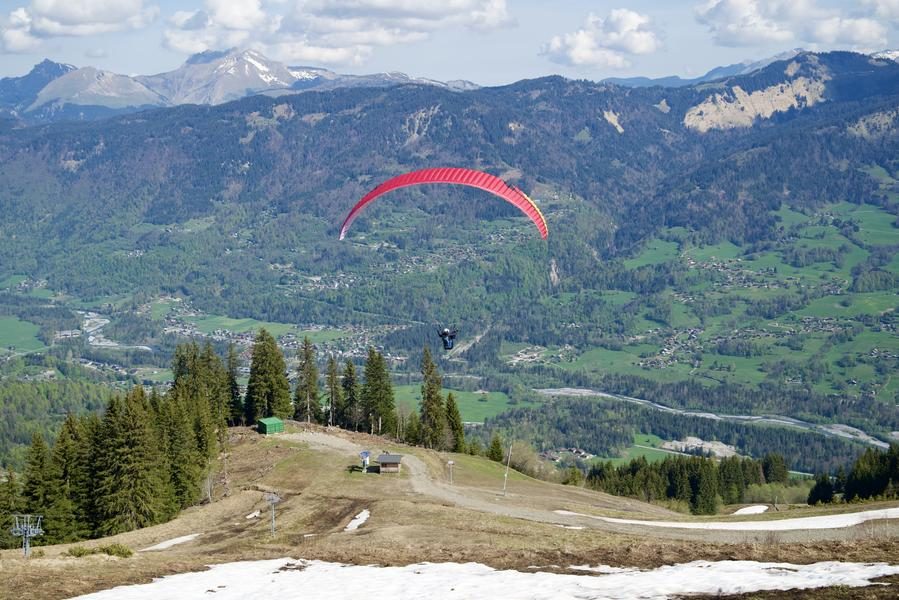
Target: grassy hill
<point>415,516</point>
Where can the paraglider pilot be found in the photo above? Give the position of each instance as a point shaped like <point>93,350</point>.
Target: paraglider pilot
<point>448,338</point>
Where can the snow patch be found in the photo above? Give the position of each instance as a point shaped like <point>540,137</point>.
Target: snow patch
<point>823,522</point>
<point>289,579</point>
<point>358,520</point>
<point>751,510</point>
<point>170,543</point>
<point>602,569</point>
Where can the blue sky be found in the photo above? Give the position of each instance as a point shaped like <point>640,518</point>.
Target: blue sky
<point>490,42</point>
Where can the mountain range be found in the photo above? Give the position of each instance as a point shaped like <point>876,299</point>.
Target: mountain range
<point>57,92</point>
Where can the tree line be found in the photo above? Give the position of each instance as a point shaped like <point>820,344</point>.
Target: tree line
<point>348,401</point>
<point>148,457</point>
<point>703,483</point>
<point>875,474</point>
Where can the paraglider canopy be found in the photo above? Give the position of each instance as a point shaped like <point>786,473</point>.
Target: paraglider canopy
<point>457,176</point>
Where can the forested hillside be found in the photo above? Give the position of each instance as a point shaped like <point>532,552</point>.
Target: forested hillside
<point>728,246</point>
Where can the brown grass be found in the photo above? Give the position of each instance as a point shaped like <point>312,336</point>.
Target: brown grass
<point>321,495</point>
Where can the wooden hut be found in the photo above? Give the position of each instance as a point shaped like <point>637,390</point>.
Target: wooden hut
<point>390,463</point>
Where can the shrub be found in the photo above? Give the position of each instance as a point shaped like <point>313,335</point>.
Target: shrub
<point>79,551</point>
<point>119,550</point>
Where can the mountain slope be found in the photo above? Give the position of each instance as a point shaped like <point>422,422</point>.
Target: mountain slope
<point>217,77</point>
<point>17,93</point>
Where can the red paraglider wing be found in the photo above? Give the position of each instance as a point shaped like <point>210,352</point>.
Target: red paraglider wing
<point>457,176</point>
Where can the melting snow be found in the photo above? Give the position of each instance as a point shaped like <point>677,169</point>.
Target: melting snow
<point>256,63</point>
<point>358,520</point>
<point>171,542</point>
<point>751,510</point>
<point>289,579</point>
<point>822,522</point>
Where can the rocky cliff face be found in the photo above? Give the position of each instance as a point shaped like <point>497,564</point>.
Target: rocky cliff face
<point>805,86</point>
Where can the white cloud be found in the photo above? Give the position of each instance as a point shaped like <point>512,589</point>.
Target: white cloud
<point>304,53</point>
<point>742,22</point>
<point>26,26</point>
<point>853,32</point>
<point>326,31</point>
<point>236,14</point>
<point>761,22</point>
<point>886,9</point>
<point>604,42</point>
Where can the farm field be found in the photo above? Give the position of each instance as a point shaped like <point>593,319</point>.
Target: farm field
<point>473,406</point>
<point>18,334</point>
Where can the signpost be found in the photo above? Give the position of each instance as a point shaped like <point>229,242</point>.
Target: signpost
<point>450,464</point>
<point>272,498</point>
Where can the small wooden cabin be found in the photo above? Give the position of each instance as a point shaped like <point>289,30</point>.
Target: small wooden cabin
<point>390,463</point>
<point>270,425</point>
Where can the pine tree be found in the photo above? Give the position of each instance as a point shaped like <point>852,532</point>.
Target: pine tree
<point>822,491</point>
<point>454,423</point>
<point>39,479</point>
<point>336,404</point>
<point>432,412</point>
<point>495,450</point>
<point>68,517</point>
<point>704,482</point>
<point>183,455</point>
<point>10,504</point>
<point>412,431</point>
<point>217,388</point>
<point>351,397</point>
<point>235,403</point>
<point>379,410</point>
<point>132,490</point>
<point>268,391</point>
<point>775,468</point>
<point>91,427</point>
<point>306,403</point>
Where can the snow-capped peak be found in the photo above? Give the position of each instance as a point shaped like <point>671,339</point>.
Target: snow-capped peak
<point>887,55</point>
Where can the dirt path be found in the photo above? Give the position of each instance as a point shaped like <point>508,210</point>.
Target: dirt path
<point>516,506</point>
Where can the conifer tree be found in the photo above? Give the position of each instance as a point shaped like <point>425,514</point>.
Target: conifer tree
<point>336,404</point>
<point>132,490</point>
<point>67,517</point>
<point>775,469</point>
<point>351,395</point>
<point>235,403</point>
<point>39,480</point>
<point>306,403</point>
<point>268,391</point>
<point>412,431</point>
<point>183,454</point>
<point>379,410</point>
<point>216,387</point>
<point>495,450</point>
<point>822,491</point>
<point>454,423</point>
<point>432,412</point>
<point>91,427</point>
<point>704,482</point>
<point>10,504</point>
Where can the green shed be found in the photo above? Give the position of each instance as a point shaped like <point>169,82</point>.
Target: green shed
<point>270,425</point>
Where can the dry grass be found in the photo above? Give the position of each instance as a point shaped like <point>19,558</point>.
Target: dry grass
<point>321,494</point>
